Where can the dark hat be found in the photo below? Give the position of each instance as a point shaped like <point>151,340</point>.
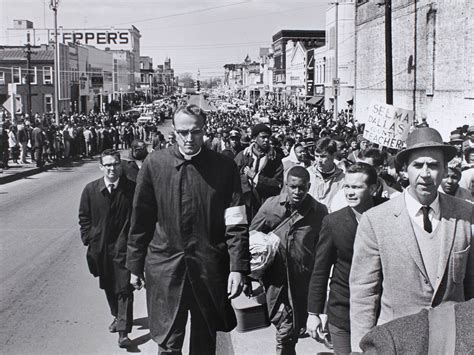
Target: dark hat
<point>234,133</point>
<point>261,127</point>
<point>456,138</point>
<point>426,137</point>
<point>245,140</point>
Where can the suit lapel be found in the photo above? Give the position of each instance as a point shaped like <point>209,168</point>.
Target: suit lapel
<point>447,229</point>
<point>408,234</point>
<point>351,221</point>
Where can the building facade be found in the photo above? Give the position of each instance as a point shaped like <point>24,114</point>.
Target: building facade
<point>433,62</point>
<point>308,38</point>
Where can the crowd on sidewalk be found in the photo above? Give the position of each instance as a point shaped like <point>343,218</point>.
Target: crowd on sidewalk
<point>77,136</point>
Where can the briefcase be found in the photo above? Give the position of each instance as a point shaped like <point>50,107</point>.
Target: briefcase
<point>251,313</point>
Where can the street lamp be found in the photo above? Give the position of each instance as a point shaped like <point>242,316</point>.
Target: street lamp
<point>53,5</point>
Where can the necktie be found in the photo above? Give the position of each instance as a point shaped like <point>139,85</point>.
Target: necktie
<point>426,219</point>
<point>111,188</point>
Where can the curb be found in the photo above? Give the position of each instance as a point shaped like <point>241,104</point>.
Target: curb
<point>29,172</point>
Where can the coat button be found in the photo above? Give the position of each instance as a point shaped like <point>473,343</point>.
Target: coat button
<point>426,281</point>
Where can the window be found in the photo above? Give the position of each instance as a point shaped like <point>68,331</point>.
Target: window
<point>2,78</point>
<point>47,75</point>
<point>33,76</point>
<point>48,103</point>
<point>16,75</point>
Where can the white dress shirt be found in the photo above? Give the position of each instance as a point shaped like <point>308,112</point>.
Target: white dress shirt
<point>108,183</point>
<point>416,214</point>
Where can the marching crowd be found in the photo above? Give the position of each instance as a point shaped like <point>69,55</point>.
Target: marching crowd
<point>390,231</point>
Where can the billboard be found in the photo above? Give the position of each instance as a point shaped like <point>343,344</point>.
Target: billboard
<point>113,39</point>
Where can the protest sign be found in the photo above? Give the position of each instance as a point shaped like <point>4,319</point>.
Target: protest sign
<point>388,125</point>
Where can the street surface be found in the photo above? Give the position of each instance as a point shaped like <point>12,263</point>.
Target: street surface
<point>49,303</point>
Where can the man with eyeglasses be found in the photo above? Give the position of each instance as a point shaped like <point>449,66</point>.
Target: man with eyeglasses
<point>189,238</point>
<point>104,217</point>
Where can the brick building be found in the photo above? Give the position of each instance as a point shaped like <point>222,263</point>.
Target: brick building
<point>433,62</point>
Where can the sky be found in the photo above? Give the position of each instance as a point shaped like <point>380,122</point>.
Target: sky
<point>195,34</point>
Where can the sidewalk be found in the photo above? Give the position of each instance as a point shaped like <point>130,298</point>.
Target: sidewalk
<point>20,171</point>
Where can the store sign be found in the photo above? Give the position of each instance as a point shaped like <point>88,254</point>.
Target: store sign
<point>120,39</point>
<point>388,125</point>
<point>319,90</point>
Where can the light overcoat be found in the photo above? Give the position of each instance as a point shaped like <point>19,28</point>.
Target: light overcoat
<point>388,279</point>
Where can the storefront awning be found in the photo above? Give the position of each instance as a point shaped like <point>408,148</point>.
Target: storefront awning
<point>316,100</point>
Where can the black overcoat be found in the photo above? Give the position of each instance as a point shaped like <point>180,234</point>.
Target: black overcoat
<point>180,229</point>
<point>105,222</point>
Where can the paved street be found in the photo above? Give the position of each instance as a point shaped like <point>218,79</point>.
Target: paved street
<point>49,303</point>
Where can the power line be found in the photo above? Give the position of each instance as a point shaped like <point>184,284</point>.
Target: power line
<point>181,13</point>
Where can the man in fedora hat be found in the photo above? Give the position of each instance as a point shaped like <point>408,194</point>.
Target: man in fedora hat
<point>414,251</point>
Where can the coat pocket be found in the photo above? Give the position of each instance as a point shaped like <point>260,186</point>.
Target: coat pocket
<point>459,264</point>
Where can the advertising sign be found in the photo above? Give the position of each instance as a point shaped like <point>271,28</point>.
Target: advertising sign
<point>113,39</point>
<point>387,125</point>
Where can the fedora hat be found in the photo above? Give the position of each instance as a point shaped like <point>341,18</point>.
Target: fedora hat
<point>426,137</point>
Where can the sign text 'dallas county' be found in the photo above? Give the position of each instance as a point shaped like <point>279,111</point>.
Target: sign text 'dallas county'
<point>387,125</point>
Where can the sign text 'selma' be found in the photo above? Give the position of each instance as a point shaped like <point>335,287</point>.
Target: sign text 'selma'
<point>387,125</point>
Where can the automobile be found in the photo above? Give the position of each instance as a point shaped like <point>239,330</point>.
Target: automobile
<point>145,118</point>
<point>133,113</point>
<point>226,107</point>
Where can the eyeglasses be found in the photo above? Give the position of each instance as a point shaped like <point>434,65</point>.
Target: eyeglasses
<point>108,166</point>
<point>186,132</point>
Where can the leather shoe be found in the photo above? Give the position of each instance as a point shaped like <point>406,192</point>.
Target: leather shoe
<point>124,341</point>
<point>113,326</point>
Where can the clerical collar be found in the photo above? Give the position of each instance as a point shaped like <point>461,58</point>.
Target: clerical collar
<point>189,156</point>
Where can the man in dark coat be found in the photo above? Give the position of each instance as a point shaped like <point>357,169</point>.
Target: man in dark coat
<point>334,251</point>
<point>295,217</point>
<point>104,217</point>
<point>446,329</point>
<point>37,142</point>
<point>189,238</point>
<point>261,170</point>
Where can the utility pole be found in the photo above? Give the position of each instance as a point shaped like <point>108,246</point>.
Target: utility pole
<point>335,81</point>
<point>388,53</point>
<point>28,75</point>
<point>53,5</point>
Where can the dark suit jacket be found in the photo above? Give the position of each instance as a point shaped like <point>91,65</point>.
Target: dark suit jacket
<point>335,247</point>
<point>411,334</point>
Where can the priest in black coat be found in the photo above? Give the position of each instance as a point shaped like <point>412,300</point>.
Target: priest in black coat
<point>189,238</point>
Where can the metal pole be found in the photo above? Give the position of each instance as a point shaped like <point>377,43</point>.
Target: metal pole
<point>121,101</point>
<point>28,77</point>
<point>336,61</point>
<point>54,6</point>
<point>388,53</point>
